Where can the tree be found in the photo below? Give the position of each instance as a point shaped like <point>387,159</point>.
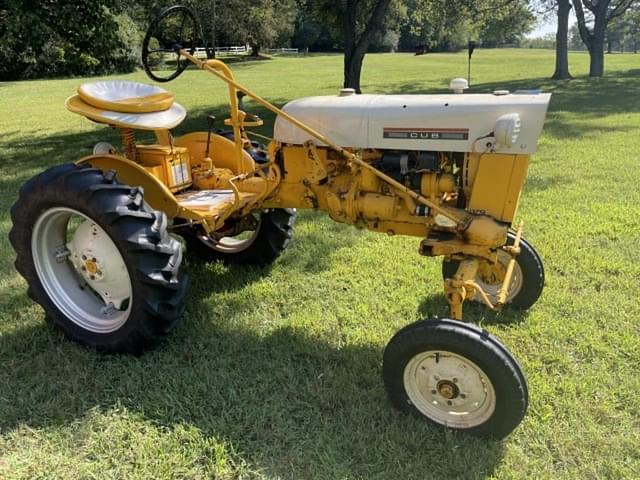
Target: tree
<point>575,42</point>
<point>616,34</point>
<point>447,25</point>
<point>562,41</point>
<point>503,23</point>
<point>361,22</point>
<point>353,25</point>
<point>547,41</point>
<point>438,25</point>
<point>259,23</point>
<point>312,32</point>
<point>64,37</point>
<point>603,12</point>
<point>633,34</point>
<point>624,32</point>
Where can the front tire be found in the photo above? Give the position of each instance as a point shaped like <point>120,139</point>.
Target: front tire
<point>527,282</point>
<point>261,246</point>
<point>455,375</point>
<point>97,258</point>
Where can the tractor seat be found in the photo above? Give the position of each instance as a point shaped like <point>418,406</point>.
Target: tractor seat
<point>127,105</point>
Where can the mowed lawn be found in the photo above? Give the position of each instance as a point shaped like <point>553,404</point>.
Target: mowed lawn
<point>275,373</point>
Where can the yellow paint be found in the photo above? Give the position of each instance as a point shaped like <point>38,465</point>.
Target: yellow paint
<point>156,192</point>
<point>91,266</point>
<point>151,103</point>
<point>497,183</point>
<point>76,105</point>
<point>314,177</point>
<point>339,181</point>
<point>221,151</point>
<point>175,167</point>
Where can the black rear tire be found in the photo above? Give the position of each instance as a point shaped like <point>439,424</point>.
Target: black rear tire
<point>151,256</point>
<point>272,236</point>
<point>530,265</point>
<point>423,370</point>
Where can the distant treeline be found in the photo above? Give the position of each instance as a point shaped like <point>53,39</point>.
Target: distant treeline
<point>623,35</point>
<point>87,37</point>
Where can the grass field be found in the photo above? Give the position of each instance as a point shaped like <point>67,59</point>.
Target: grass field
<point>275,373</point>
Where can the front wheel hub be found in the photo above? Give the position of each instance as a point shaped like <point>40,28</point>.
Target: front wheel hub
<point>449,389</point>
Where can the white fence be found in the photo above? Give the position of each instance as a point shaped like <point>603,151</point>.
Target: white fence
<point>282,51</point>
<point>245,50</point>
<point>223,51</point>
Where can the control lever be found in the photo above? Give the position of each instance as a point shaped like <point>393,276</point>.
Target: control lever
<point>210,121</point>
<point>247,116</point>
<point>240,95</point>
<point>208,163</point>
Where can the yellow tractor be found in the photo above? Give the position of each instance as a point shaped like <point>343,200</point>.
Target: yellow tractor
<point>96,239</point>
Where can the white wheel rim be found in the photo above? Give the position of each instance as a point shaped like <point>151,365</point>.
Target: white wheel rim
<point>232,244</point>
<point>82,271</point>
<point>449,389</point>
<point>492,288</point>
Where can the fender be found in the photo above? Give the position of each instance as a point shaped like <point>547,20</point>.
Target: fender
<point>156,193</point>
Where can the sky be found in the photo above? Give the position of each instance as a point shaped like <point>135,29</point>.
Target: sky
<point>548,26</point>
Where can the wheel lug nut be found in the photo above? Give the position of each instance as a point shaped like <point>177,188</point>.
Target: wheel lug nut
<point>92,277</point>
<point>84,257</point>
<point>436,377</point>
<point>463,395</point>
<point>449,402</point>
<point>455,380</point>
<point>83,268</point>
<point>434,392</point>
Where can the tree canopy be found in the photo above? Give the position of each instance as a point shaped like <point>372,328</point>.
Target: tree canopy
<point>87,37</point>
<point>593,27</point>
<point>62,37</point>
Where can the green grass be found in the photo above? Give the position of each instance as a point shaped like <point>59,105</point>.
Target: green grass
<point>275,373</point>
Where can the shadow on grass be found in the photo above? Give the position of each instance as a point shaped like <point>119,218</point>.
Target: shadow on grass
<point>292,404</point>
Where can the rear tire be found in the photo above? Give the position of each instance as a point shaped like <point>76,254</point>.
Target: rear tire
<point>272,235</point>
<point>131,243</point>
<point>455,375</point>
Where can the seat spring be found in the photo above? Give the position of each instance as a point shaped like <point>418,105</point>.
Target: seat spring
<point>129,142</point>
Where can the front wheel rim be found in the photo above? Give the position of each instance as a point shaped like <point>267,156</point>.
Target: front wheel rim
<point>449,389</point>
<point>81,270</point>
<point>491,281</point>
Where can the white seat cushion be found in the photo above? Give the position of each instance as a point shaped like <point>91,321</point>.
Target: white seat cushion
<point>125,96</point>
<point>162,120</point>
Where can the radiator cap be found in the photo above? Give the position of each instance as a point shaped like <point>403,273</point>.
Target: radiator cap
<point>458,85</point>
<point>347,92</point>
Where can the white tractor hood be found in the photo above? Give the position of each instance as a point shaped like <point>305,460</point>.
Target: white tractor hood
<point>449,123</point>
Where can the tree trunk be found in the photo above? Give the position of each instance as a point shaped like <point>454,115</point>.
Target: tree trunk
<point>596,52</point>
<point>255,50</point>
<point>596,63</point>
<point>352,68</point>
<point>562,48</point>
<point>356,46</point>
<point>603,13</point>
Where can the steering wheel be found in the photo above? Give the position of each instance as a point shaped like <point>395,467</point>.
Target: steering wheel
<point>175,28</point>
